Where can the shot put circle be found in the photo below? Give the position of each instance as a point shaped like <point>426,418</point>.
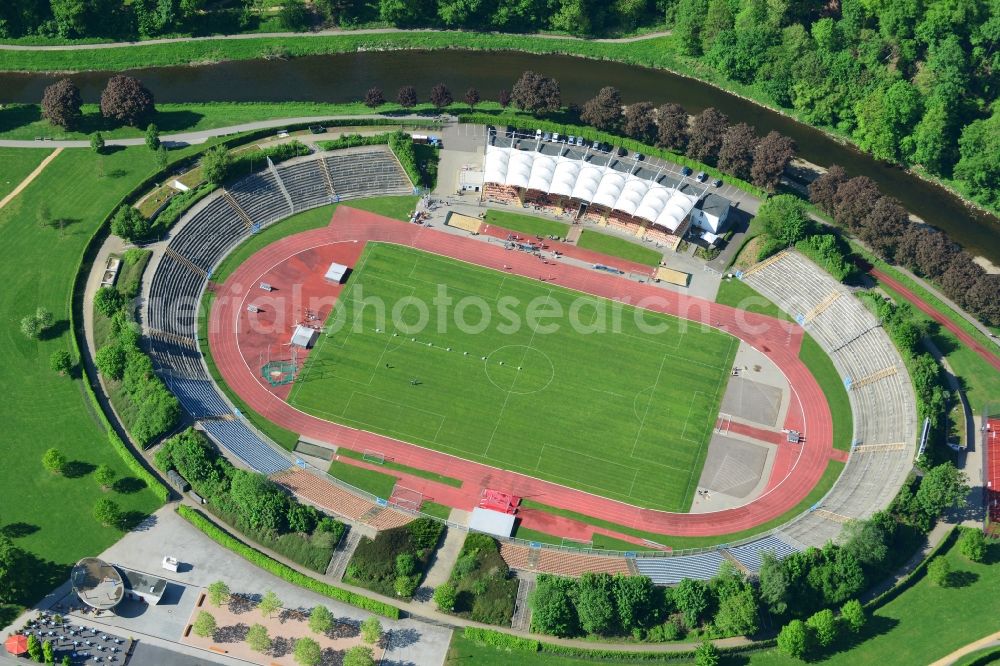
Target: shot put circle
<point>536,372</point>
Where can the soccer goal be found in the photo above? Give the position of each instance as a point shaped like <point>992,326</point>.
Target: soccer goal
<point>567,542</point>
<point>373,456</point>
<point>406,498</point>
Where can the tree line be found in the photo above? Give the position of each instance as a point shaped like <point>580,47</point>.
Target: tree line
<point>912,82</point>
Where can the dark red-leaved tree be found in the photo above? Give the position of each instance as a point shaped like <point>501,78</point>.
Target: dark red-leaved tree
<point>960,276</point>
<point>982,298</point>
<point>407,97</point>
<point>604,110</point>
<point>472,97</point>
<point>884,225</point>
<point>736,153</point>
<point>640,122</point>
<point>126,100</point>
<point>61,104</point>
<point>854,199</point>
<point>536,93</point>
<point>823,190</point>
<point>924,250</point>
<point>441,96</point>
<point>672,127</point>
<point>503,99</point>
<point>705,135</point>
<point>374,97</point>
<point>770,159</point>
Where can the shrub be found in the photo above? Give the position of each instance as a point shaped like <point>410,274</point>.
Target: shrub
<point>444,596</point>
<point>61,361</point>
<point>204,624</point>
<point>97,143</point>
<point>853,614</point>
<point>359,655</point>
<point>269,603</point>
<point>307,652</point>
<point>107,513</point>
<point>939,571</point>
<point>824,627</point>
<point>54,461</point>
<point>136,467</point>
<point>215,164</point>
<point>706,654</point>
<point>828,251</point>
<point>371,630</point>
<point>501,640</point>
<point>320,620</point>
<point>283,571</point>
<point>258,639</point>
<point>795,639</point>
<point>405,586</point>
<point>218,593</point>
<point>108,301</point>
<point>972,543</point>
<point>105,476</point>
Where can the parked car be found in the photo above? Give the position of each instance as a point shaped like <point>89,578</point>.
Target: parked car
<point>701,177</point>
<point>508,131</point>
<point>555,136</point>
<point>686,171</point>
<point>717,182</point>
<point>580,142</point>
<point>639,157</point>
<point>317,129</point>
<point>571,140</point>
<point>622,152</point>
<point>490,129</point>
<point>547,136</point>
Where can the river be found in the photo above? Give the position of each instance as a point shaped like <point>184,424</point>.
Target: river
<point>346,77</point>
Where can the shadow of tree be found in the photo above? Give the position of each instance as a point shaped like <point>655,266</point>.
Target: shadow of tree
<point>77,468</point>
<point>280,646</point>
<point>234,633</point>
<point>19,530</point>
<point>962,578</point>
<point>128,485</point>
<point>55,330</point>
<point>132,520</point>
<point>401,638</point>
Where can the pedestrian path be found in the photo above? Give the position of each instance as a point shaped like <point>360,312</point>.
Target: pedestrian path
<point>30,177</point>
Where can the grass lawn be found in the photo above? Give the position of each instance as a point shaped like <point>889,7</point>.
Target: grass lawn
<point>16,164</point>
<point>738,294</point>
<point>526,224</point>
<point>614,246</point>
<point>388,464</point>
<point>990,655</point>
<point>51,515</point>
<point>923,623</point>
<point>464,651</point>
<point>539,404</point>
<point>437,510</point>
<point>398,208</point>
<point>24,121</point>
<point>376,483</point>
<point>832,385</point>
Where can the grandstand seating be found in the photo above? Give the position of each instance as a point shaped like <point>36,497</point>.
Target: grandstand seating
<point>306,183</point>
<point>560,562</point>
<point>198,397</point>
<point>259,195</point>
<point>672,570</point>
<point>884,409</point>
<point>365,172</point>
<point>242,442</point>
<point>750,554</point>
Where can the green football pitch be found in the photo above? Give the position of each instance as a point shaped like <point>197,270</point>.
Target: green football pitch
<point>604,402</point>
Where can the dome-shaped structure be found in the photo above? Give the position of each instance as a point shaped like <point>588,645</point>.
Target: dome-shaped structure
<point>97,583</point>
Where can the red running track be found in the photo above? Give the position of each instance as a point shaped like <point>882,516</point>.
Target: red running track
<point>779,341</point>
<point>987,355</point>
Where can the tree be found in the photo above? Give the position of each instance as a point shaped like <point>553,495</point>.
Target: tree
<point>979,161</point>
<point>205,624</point>
<point>604,110</point>
<point>97,143</point>
<point>371,630</point>
<point>736,153</point>
<point>61,104</point>
<point>640,122</point>
<point>982,300</point>
<point>261,502</point>
<point>269,603</point>
<point>258,639</point>
<point>869,540</point>
<point>770,158</point>
<point>503,98</point>
<point>374,97</point>
<point>54,461</point>
<point>783,217</point>
<point>883,226</point>
<point>108,301</point>
<point>152,137</point>
<point>359,655</point>
<point>107,512</point>
<point>854,199</point>
<point>105,476</point>
<point>441,96</point>
<point>48,655</point>
<point>943,487</point>
<point>126,100</point>
<point>737,614</point>
<point>672,127</point>
<point>445,596</point>
<point>218,593</point>
<point>215,164</point>
<point>925,250</point>
<point>691,16</point>
<point>839,577</point>
<point>307,652</point>
<point>161,157</point>
<point>34,648</point>
<point>823,190</point>
<point>552,610</point>
<point>774,584</point>
<point>886,118</point>
<point>61,361</point>
<point>633,597</point>
<point>536,93</point>
<point>706,654</point>
<point>595,605</point>
<point>406,97</point>
<point>404,586</point>
<point>691,598</point>
<point>972,543</point>
<point>129,225</point>
<point>293,15</point>
<point>705,136</point>
<point>110,361</point>
<point>853,614</point>
<point>472,97</point>
<point>30,327</point>
<point>939,571</point>
<point>320,620</point>
<point>795,639</point>
<point>824,627</point>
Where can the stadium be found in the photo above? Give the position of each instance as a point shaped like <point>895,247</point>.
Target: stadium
<point>675,433</point>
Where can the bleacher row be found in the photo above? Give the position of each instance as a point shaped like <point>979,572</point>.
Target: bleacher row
<point>884,406</point>
<point>204,237</point>
<point>330,497</point>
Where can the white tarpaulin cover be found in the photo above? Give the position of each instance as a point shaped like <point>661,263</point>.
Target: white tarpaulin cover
<point>564,176</point>
<point>492,522</point>
<point>304,336</point>
<point>336,272</point>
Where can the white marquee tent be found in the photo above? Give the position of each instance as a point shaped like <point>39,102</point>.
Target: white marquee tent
<point>336,272</point>
<point>563,176</point>
<point>303,336</point>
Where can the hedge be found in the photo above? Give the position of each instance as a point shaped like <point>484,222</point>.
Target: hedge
<point>136,467</point>
<point>269,564</point>
<point>500,640</point>
<point>517,119</point>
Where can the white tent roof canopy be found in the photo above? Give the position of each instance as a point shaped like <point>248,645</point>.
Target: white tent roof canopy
<point>602,185</point>
<point>303,336</point>
<point>336,272</point>
<point>492,522</point>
